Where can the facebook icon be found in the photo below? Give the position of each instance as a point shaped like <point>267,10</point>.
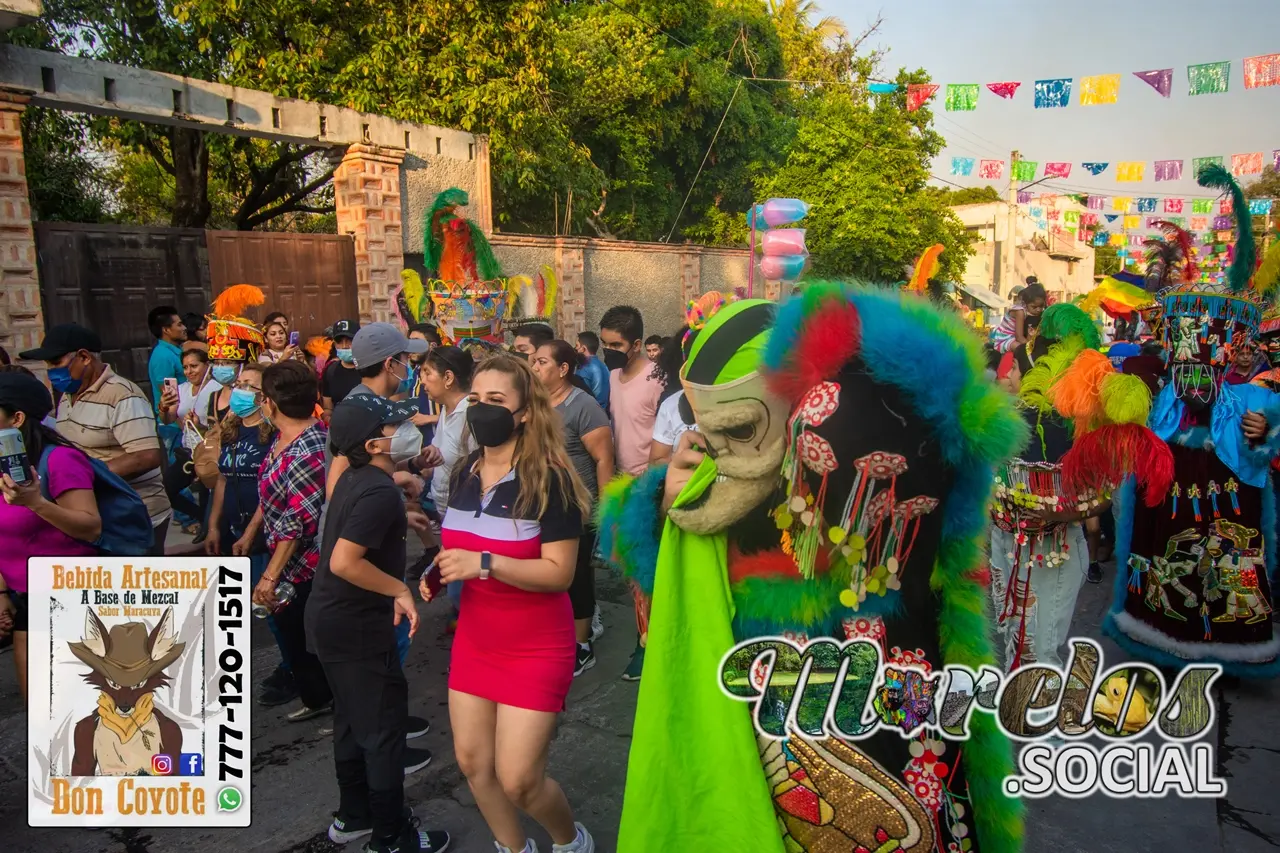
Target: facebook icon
<point>191,764</point>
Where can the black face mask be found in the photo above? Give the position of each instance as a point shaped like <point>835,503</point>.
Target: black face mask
<point>491,424</point>
<point>613,359</point>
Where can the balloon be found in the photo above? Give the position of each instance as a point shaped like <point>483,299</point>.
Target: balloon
<point>777,211</point>
<point>785,241</point>
<point>782,267</point>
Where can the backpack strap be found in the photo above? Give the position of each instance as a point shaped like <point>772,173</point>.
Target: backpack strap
<point>42,471</point>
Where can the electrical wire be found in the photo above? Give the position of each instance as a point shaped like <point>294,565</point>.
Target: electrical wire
<point>714,137</point>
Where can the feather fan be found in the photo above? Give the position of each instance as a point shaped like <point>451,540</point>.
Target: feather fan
<point>318,346</point>
<point>1266,279</point>
<point>926,268</point>
<point>1217,178</point>
<point>233,301</point>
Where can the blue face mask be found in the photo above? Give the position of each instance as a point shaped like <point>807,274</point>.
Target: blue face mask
<point>62,380</point>
<point>406,384</point>
<point>243,402</point>
<point>344,355</point>
<point>224,374</point>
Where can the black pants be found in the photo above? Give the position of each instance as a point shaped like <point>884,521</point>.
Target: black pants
<point>308,675</point>
<point>370,706</point>
<point>159,534</point>
<point>582,591</point>
<point>176,479</point>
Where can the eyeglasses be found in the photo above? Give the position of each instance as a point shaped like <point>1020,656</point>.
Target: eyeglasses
<point>245,386</point>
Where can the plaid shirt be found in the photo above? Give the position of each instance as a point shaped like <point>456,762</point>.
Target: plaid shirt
<point>292,492</point>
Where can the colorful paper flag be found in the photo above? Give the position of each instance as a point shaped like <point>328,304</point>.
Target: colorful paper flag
<point>1136,239</point>
<point>1146,205</point>
<point>1173,205</point>
<point>1202,205</point>
<point>1199,223</point>
<point>918,93</point>
<point>1118,239</point>
<point>991,170</point>
<point>1057,170</point>
<point>1053,93</point>
<point>1221,223</point>
<point>1111,217</point>
<point>1177,220</point>
<point>1211,78</point>
<point>1132,221</point>
<point>962,97</point>
<point>1161,80</point>
<point>1262,71</point>
<point>1025,170</point>
<point>1099,89</point>
<point>1121,203</point>
<point>1099,239</point>
<point>1225,207</point>
<point>1053,214</point>
<point>1095,168</point>
<point>1168,170</point>
<point>1152,222</point>
<point>1246,164</point>
<point>1088,219</point>
<point>882,88</point>
<point>1260,206</point>
<point>1037,212</point>
<point>1199,163</point>
<point>1097,202</point>
<point>1024,197</point>
<point>1071,217</point>
<point>1004,90</point>
<point>962,166</point>
<point>1130,171</point>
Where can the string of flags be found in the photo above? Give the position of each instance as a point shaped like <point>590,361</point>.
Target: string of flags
<point>1209,78</point>
<point>1128,171</point>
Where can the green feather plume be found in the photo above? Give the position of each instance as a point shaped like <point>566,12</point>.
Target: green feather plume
<point>1034,390</point>
<point>1217,178</point>
<point>1063,320</point>
<point>432,247</point>
<point>1126,399</point>
<point>1266,279</point>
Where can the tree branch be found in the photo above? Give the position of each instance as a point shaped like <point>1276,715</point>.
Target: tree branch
<point>290,204</point>
<point>157,153</point>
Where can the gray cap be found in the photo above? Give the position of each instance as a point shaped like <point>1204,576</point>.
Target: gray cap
<point>379,341</point>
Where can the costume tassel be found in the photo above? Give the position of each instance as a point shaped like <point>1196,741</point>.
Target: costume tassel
<point>1137,567</point>
<point>1176,492</point>
<point>1232,489</point>
<point>1100,459</point>
<point>1204,614</point>
<point>1193,492</point>
<point>1214,491</point>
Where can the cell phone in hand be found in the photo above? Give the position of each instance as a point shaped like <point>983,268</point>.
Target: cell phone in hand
<point>293,339</point>
<point>432,574</point>
<point>171,385</point>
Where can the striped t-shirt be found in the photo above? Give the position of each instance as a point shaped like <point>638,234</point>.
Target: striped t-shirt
<point>110,418</point>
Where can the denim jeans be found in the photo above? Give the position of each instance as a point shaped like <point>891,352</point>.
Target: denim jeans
<point>258,566</point>
<point>1051,601</point>
<point>402,640</point>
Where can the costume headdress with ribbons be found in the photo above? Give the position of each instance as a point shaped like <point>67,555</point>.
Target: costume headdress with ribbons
<point>233,337</point>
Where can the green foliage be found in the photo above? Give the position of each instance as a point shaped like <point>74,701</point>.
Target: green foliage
<point>67,183</point>
<point>968,195</point>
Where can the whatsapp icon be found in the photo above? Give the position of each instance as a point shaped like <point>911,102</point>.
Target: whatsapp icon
<point>229,799</point>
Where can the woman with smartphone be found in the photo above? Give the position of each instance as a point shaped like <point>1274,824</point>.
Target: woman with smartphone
<point>281,344</point>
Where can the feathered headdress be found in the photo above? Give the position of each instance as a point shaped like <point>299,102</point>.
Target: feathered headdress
<point>926,268</point>
<point>1172,255</point>
<point>233,337</point>
<point>412,304</point>
<point>1241,269</point>
<point>530,301</point>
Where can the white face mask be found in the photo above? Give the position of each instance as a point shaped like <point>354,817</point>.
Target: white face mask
<point>406,442</point>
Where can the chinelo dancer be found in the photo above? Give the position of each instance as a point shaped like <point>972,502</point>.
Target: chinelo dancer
<point>841,494</point>
<point>1196,568</point>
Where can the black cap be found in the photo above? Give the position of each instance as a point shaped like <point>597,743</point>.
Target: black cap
<point>358,415</point>
<point>22,393</point>
<point>345,329</point>
<point>61,340</point>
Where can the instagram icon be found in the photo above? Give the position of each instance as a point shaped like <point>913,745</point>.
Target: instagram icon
<point>162,765</point>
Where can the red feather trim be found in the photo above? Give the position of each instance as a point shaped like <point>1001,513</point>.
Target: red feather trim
<point>1186,247</point>
<point>768,564</point>
<point>1102,459</point>
<point>829,337</point>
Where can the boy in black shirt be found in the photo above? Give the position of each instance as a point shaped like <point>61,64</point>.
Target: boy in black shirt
<point>358,597</point>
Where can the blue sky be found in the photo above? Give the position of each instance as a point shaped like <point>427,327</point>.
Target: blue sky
<point>984,41</point>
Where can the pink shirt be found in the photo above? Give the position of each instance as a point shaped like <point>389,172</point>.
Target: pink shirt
<point>634,406</point>
<point>24,534</point>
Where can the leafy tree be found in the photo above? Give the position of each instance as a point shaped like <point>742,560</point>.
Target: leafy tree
<point>968,195</point>
<point>66,181</point>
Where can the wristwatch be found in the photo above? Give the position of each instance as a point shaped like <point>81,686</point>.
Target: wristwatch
<point>486,565</point>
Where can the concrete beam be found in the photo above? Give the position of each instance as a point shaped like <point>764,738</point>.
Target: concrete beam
<point>89,85</point>
<point>15,13</point>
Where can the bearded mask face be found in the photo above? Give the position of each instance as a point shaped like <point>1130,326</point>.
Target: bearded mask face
<point>745,428</point>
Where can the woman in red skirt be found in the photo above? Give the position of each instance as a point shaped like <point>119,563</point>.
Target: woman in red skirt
<point>511,533</point>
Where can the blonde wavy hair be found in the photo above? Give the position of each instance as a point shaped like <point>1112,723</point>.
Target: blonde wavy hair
<point>540,452</point>
<point>229,427</point>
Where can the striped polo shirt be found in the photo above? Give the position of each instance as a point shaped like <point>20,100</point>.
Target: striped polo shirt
<point>110,418</point>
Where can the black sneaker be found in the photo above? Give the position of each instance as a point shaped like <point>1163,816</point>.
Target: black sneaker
<point>345,830</point>
<point>1094,575</point>
<point>415,759</point>
<point>278,689</point>
<point>412,840</point>
<point>586,659</point>
<point>415,727</point>
<point>304,713</point>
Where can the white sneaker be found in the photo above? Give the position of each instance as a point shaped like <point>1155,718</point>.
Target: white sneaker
<point>530,846</point>
<point>584,843</point>
<point>597,626</point>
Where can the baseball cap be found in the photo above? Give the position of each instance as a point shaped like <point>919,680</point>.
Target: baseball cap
<point>358,415</point>
<point>378,341</point>
<point>23,393</point>
<point>62,339</point>
<point>345,329</point>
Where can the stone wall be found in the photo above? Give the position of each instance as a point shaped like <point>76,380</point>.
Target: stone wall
<point>422,178</point>
<point>21,321</point>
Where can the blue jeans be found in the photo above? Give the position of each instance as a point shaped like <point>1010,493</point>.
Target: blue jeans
<point>258,566</point>
<point>454,591</point>
<point>402,640</point>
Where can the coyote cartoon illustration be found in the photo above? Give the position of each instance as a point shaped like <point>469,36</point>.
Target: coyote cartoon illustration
<point>126,730</point>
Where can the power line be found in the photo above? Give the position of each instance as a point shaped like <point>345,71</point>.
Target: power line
<point>714,137</point>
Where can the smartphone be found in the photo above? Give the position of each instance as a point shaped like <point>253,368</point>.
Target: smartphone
<point>171,385</point>
<point>293,339</point>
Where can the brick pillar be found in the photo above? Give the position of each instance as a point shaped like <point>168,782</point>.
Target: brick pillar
<point>571,302</point>
<point>690,274</point>
<point>366,190</point>
<point>21,321</point>
<point>481,206</point>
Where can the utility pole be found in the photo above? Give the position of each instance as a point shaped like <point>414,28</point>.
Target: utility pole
<point>1011,231</point>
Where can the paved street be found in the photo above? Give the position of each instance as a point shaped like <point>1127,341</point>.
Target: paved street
<point>294,789</point>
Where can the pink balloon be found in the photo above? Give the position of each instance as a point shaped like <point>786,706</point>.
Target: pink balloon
<point>782,267</point>
<point>785,241</point>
